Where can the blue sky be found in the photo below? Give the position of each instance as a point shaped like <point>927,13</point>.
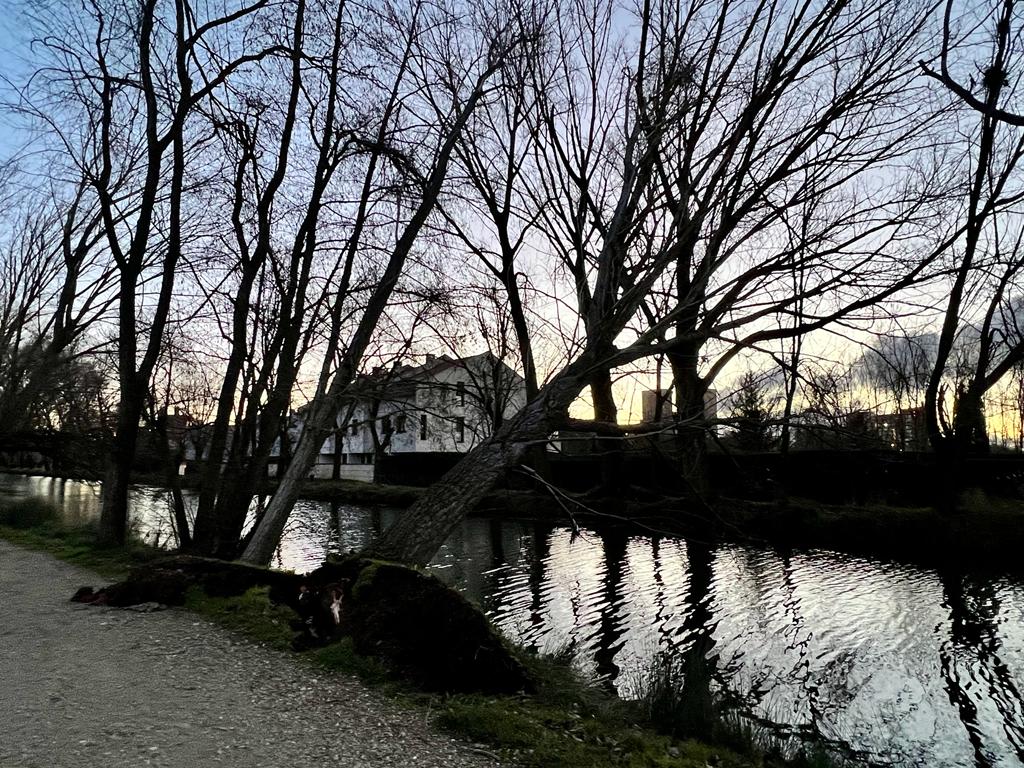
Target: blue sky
<point>14,53</point>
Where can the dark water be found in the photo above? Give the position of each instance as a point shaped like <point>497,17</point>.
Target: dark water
<point>906,666</point>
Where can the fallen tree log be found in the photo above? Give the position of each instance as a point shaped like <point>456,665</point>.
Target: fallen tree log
<point>422,629</point>
<point>167,579</point>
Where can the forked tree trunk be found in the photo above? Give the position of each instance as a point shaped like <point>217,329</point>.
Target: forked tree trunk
<point>328,402</point>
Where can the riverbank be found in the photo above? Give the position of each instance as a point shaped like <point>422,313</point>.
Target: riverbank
<point>566,724</point>
<point>984,531</point>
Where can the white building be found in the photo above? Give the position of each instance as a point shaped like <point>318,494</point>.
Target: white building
<point>445,405</point>
<point>651,399</point>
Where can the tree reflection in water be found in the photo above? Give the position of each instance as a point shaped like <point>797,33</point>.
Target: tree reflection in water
<point>698,662</point>
<point>971,655</point>
<point>612,624</point>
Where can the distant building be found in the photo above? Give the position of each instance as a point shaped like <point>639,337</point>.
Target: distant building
<point>901,431</point>
<point>446,405</point>
<point>577,443</point>
<point>652,399</point>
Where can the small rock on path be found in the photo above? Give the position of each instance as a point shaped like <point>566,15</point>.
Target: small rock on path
<point>84,686</point>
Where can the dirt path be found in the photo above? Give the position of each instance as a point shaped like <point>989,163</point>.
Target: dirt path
<point>83,686</point>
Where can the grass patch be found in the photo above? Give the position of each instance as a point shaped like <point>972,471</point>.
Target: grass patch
<point>255,616</point>
<point>79,546</point>
<point>539,735</point>
<point>24,514</point>
<point>570,723</point>
<point>252,614</point>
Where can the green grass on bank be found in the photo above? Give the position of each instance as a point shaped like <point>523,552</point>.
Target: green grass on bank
<point>565,724</point>
<point>36,525</point>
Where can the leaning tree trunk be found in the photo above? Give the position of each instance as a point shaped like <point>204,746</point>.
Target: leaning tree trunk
<point>421,530</point>
<point>268,529</point>
<point>417,535</point>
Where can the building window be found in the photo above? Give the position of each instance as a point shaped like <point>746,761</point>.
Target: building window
<point>460,392</point>
<point>423,427</point>
<point>400,423</point>
<point>355,428</point>
<point>385,425</point>
<point>460,429</point>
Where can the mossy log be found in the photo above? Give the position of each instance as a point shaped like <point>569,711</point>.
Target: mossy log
<point>423,628</point>
<point>167,579</point>
<point>426,631</point>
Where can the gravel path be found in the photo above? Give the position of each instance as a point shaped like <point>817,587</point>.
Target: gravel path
<point>84,686</point>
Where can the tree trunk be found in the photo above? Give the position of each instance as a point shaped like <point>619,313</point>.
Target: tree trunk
<point>691,442</point>
<point>171,464</point>
<point>604,400</point>
<point>113,528</point>
<point>327,403</point>
<point>421,530</point>
<point>609,449</point>
<point>969,429</point>
<point>267,534</point>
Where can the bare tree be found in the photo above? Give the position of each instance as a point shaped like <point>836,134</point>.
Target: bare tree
<point>130,81</point>
<point>898,364</point>
<point>55,289</point>
<point>986,264</point>
<point>672,152</point>
<point>452,94</point>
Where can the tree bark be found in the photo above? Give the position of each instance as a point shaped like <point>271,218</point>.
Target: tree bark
<point>691,442</point>
<point>113,528</point>
<point>329,400</point>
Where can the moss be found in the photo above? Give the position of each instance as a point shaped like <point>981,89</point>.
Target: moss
<point>367,576</point>
<point>426,629</point>
<point>251,613</point>
<point>536,734</point>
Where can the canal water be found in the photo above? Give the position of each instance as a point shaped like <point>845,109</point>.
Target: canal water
<point>905,666</point>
